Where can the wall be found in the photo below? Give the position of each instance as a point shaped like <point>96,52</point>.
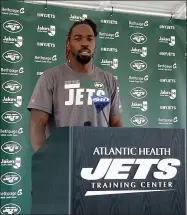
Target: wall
<point>145,54</point>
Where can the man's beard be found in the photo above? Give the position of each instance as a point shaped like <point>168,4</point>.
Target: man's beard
<point>82,59</point>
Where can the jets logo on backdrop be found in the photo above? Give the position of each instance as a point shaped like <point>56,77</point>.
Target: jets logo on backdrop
<point>138,38</point>
<point>80,93</point>
<point>12,26</point>
<point>11,117</point>
<point>12,56</point>
<point>139,120</point>
<point>10,178</point>
<point>11,147</point>
<point>138,93</point>
<point>138,65</point>
<point>10,209</point>
<point>12,86</point>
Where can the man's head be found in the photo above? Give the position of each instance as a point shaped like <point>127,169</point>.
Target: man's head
<point>81,40</point>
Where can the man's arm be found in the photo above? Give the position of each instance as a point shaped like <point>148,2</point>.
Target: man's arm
<point>115,121</point>
<point>115,118</point>
<point>38,122</point>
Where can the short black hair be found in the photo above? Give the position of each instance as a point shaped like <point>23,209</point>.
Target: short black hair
<point>86,22</point>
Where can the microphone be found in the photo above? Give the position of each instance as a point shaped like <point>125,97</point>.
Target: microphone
<point>87,123</point>
<point>100,103</point>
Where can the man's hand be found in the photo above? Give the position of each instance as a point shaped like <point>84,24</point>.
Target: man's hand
<point>38,122</point>
<point>115,121</point>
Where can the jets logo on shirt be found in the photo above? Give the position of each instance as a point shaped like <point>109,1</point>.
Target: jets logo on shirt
<point>80,92</point>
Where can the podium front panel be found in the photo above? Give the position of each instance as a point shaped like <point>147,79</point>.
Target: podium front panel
<point>128,171</point>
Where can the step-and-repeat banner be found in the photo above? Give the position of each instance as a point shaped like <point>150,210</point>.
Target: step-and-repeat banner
<point>145,54</point>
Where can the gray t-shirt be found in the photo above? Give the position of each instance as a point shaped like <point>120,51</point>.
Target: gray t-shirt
<point>66,96</point>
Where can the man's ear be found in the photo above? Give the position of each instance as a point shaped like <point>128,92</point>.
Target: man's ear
<point>68,44</point>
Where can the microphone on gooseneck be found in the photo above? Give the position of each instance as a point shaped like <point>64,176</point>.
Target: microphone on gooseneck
<point>87,123</point>
<point>100,103</point>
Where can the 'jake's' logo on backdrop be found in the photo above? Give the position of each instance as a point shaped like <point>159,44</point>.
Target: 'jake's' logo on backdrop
<point>143,106</point>
<point>138,65</point>
<point>11,117</point>
<point>11,86</point>
<point>16,101</point>
<point>112,63</point>
<point>12,26</point>
<point>15,163</point>
<point>140,51</point>
<point>11,147</point>
<point>10,178</point>
<point>18,41</point>
<point>138,38</point>
<point>172,94</point>
<point>169,40</point>
<point>138,93</point>
<point>12,56</point>
<point>139,120</point>
<point>78,18</point>
<point>51,30</point>
<point>10,209</point>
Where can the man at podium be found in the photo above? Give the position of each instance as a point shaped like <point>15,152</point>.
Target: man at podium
<point>66,95</point>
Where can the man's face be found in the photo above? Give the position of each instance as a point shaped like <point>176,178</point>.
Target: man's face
<point>82,43</point>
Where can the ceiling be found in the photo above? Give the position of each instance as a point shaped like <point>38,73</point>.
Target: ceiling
<point>176,9</point>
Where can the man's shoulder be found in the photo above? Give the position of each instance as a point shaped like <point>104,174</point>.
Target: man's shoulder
<point>52,72</point>
<point>105,74</point>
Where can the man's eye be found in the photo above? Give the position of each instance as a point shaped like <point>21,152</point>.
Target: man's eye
<point>90,39</point>
<point>78,39</point>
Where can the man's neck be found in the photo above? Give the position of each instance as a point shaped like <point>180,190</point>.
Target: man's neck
<point>77,67</point>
